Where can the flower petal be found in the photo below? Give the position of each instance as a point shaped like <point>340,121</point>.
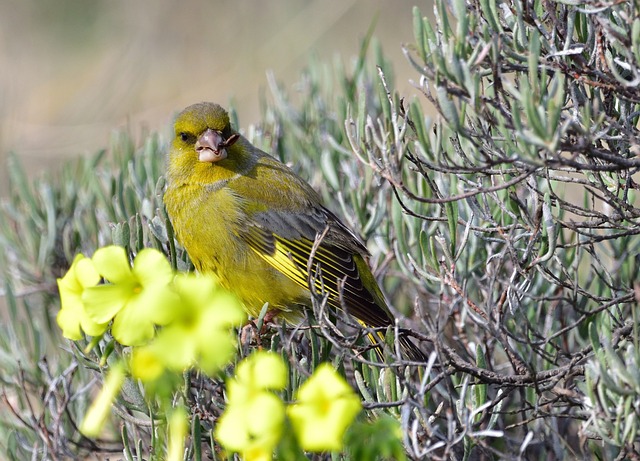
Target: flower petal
<point>113,264</point>
<point>216,352</point>
<point>68,320</point>
<point>263,370</point>
<point>158,302</point>
<point>85,272</point>
<point>325,381</point>
<point>145,364</point>
<point>230,430</point>
<point>227,309</point>
<point>90,327</point>
<point>131,326</point>
<point>193,289</point>
<point>270,371</point>
<point>265,416</point>
<point>151,266</point>
<point>176,347</point>
<point>103,302</point>
<point>73,316</point>
<point>253,426</point>
<point>326,407</point>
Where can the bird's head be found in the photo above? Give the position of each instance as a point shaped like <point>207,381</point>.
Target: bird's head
<point>204,129</point>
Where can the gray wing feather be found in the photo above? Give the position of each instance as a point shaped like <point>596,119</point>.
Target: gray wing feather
<point>296,226</point>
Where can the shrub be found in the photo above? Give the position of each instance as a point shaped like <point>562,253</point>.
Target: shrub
<point>505,232</point>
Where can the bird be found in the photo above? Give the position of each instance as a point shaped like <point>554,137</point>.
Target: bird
<point>249,219</point>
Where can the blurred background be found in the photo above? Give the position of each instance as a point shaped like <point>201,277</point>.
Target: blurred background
<point>75,70</point>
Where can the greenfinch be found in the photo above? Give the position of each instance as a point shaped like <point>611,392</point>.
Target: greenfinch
<point>249,219</point>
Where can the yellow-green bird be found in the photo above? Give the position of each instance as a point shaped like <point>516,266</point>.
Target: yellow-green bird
<point>250,220</point>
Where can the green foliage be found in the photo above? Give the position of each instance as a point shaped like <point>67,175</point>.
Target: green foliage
<point>377,441</point>
<point>505,231</point>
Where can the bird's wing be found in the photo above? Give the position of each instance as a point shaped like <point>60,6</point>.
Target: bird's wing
<point>285,240</point>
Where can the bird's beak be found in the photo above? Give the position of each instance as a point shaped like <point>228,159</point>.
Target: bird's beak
<point>211,146</point>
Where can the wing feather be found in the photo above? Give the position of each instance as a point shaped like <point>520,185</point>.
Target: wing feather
<point>335,260</point>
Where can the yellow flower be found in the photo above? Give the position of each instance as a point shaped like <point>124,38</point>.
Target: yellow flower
<point>326,406</point>
<point>253,421</point>
<point>261,371</point>
<point>99,411</point>
<point>136,299</point>
<point>252,428</point>
<point>146,364</point>
<point>201,332</point>
<point>73,318</point>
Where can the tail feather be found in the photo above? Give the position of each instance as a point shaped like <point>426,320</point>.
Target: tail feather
<point>408,349</point>
<point>411,351</point>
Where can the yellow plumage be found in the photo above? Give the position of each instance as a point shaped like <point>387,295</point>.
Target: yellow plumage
<point>250,220</point>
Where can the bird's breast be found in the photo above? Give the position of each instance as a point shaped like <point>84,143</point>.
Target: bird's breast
<point>206,221</point>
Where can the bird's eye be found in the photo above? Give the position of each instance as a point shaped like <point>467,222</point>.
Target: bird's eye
<point>184,136</point>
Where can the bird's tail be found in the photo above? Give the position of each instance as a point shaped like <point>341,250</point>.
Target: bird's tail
<point>411,351</point>
<point>408,349</point>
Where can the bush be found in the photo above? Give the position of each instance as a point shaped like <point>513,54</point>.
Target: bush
<point>505,231</point>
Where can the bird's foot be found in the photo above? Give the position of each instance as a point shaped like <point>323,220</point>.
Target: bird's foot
<point>251,335</point>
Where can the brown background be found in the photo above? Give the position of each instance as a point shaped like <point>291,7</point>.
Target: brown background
<point>74,70</point>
